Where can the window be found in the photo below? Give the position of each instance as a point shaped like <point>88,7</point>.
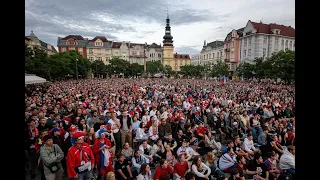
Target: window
<point>99,58</point>
<point>180,56</point>
<point>72,48</point>
<point>134,53</point>
<point>98,43</point>
<point>207,56</point>
<point>63,49</point>
<point>249,52</point>
<point>286,44</point>
<point>98,50</point>
<point>116,53</point>
<point>245,52</point>
<point>91,59</point>
<point>150,55</point>
<point>187,56</point>
<point>159,55</point>
<point>213,56</point>
<point>276,41</point>
<point>80,49</point>
<point>264,51</point>
<point>90,51</point>
<point>265,40</point>
<point>245,42</point>
<point>180,62</point>
<point>290,45</point>
<point>232,54</point>
<point>232,44</point>
<point>249,41</point>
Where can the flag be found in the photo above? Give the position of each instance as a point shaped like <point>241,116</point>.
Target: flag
<point>224,79</point>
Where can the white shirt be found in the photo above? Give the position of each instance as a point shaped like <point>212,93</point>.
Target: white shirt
<point>188,150</point>
<point>114,124</point>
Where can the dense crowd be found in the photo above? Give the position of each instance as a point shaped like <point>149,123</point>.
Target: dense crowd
<point>121,128</point>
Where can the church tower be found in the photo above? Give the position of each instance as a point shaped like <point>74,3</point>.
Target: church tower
<point>168,47</point>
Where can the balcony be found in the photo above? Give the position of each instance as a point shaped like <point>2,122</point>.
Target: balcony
<point>227,49</point>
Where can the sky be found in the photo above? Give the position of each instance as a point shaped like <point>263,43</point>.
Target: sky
<point>140,21</point>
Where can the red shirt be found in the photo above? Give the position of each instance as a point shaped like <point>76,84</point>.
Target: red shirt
<point>180,169</point>
<point>161,173</point>
<point>73,158</point>
<point>202,130</point>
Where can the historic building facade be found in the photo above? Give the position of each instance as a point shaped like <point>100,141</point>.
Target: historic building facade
<point>232,49</point>
<point>181,60</point>
<point>73,42</point>
<point>261,40</point>
<point>99,48</point>
<point>33,41</point>
<point>168,48</point>
<point>211,53</point>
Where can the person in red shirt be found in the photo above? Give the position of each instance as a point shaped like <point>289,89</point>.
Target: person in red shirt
<point>181,167</point>
<point>80,159</point>
<point>100,150</point>
<point>164,171</point>
<point>201,131</point>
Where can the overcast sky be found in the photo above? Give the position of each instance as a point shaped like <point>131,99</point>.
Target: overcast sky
<point>142,21</point>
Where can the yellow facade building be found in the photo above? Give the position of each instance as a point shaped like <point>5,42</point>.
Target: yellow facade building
<point>181,60</point>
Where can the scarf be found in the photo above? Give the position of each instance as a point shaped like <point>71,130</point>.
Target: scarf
<point>104,157</point>
<point>33,133</point>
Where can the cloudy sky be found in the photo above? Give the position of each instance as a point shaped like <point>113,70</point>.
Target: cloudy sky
<point>139,21</point>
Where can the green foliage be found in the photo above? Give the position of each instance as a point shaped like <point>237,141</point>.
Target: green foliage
<point>99,68</point>
<point>192,70</point>
<point>220,69</point>
<point>55,66</point>
<point>168,70</point>
<point>279,65</point>
<point>154,67</point>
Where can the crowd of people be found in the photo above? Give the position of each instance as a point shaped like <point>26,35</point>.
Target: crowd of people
<point>119,128</point>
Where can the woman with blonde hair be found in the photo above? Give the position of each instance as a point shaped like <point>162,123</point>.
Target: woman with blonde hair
<point>111,176</point>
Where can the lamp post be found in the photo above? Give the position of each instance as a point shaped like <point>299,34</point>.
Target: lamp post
<point>77,68</point>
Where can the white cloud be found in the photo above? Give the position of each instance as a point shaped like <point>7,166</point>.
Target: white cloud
<point>196,21</point>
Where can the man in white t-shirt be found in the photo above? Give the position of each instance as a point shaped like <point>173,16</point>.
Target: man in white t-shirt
<point>115,127</point>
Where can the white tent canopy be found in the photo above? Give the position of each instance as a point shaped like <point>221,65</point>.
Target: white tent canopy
<point>33,79</point>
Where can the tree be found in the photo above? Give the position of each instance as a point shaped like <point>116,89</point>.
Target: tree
<point>246,70</point>
<point>168,70</point>
<point>192,70</point>
<point>135,69</point>
<point>99,68</point>
<point>220,69</point>
<point>282,65</point>
<point>36,62</point>
<point>154,67</point>
<point>118,66</point>
<point>54,66</point>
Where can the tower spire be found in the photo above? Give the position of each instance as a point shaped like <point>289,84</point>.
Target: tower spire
<point>167,13</point>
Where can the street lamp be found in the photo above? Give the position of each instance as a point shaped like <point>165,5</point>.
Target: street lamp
<point>77,68</point>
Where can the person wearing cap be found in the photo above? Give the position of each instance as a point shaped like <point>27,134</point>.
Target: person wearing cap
<point>51,153</point>
<point>101,152</point>
<point>80,159</point>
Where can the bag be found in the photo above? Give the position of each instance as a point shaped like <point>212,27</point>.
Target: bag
<point>53,167</point>
<point>83,167</point>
